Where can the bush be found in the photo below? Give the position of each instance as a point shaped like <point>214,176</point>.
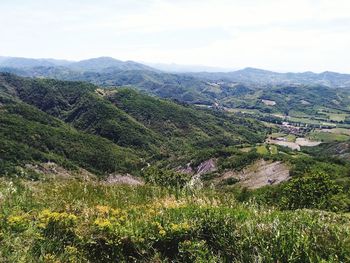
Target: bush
<point>166,178</point>
<point>313,190</point>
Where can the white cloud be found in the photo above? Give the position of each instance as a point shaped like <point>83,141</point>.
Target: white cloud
<point>281,35</point>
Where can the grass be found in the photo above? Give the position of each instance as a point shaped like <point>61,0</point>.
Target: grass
<point>338,131</point>
<point>71,221</point>
<point>291,137</point>
<point>339,117</point>
<point>262,150</point>
<point>277,134</point>
<point>309,120</point>
<point>273,149</point>
<point>328,137</point>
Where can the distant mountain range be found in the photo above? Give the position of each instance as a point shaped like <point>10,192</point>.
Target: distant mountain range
<point>105,65</point>
<point>177,68</point>
<point>94,64</point>
<point>245,88</point>
<point>264,77</point>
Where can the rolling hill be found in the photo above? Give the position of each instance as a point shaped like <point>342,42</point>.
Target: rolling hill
<point>293,94</point>
<point>254,76</point>
<point>75,123</point>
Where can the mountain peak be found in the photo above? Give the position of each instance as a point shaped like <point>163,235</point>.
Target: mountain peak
<point>102,63</point>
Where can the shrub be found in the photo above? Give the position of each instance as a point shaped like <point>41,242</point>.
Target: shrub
<point>313,190</point>
<point>196,251</point>
<point>57,230</point>
<point>18,222</point>
<point>166,178</point>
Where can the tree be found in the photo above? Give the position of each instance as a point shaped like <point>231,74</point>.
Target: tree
<point>313,190</point>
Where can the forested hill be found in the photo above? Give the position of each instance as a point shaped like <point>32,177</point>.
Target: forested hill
<point>238,89</point>
<point>105,130</point>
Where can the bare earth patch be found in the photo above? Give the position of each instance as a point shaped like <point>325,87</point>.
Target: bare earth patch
<point>259,174</point>
<point>306,142</point>
<point>124,179</point>
<point>269,102</point>
<point>51,169</point>
<point>292,145</point>
<point>304,102</point>
<point>205,167</point>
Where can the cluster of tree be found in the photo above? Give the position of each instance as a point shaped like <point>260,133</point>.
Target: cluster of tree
<point>112,130</point>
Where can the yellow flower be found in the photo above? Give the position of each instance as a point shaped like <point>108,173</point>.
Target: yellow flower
<point>102,209</point>
<point>50,258</point>
<point>158,225</point>
<point>64,218</point>
<point>119,214</point>
<point>178,227</point>
<point>103,224</point>
<point>18,222</point>
<point>162,232</point>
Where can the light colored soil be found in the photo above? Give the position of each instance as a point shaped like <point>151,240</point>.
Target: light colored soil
<point>51,169</point>
<point>124,179</point>
<point>259,174</point>
<point>269,102</point>
<point>306,142</point>
<point>304,102</point>
<point>185,170</point>
<point>292,145</point>
<point>207,167</point>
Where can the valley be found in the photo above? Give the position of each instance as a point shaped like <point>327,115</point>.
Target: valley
<point>104,160</point>
<point>165,131</point>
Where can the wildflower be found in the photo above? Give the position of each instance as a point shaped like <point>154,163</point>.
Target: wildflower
<point>103,224</point>
<point>72,253</point>
<point>102,209</point>
<point>50,258</point>
<point>18,222</point>
<point>162,232</point>
<point>119,214</point>
<point>64,219</point>
<point>180,227</point>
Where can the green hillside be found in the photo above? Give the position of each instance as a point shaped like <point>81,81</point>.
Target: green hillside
<point>295,94</point>
<point>67,146</point>
<point>106,130</point>
<point>29,135</point>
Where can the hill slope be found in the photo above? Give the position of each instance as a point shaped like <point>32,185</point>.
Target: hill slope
<point>243,88</point>
<point>258,77</point>
<point>117,127</point>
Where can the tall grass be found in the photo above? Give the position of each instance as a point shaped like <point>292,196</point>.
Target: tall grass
<point>71,221</point>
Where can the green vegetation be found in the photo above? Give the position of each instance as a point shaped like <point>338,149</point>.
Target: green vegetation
<point>75,212</point>
<point>117,130</point>
<point>82,222</point>
<point>332,149</point>
<point>328,137</point>
<point>39,137</point>
<point>166,178</point>
<point>262,150</point>
<point>273,149</point>
<point>313,98</point>
<point>314,190</point>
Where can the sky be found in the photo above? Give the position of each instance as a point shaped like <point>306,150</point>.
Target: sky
<point>280,35</point>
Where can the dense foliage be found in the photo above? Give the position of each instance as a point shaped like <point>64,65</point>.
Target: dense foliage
<point>88,222</point>
<point>77,217</point>
<point>105,131</point>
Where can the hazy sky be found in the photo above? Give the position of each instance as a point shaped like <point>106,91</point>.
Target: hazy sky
<point>283,35</point>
